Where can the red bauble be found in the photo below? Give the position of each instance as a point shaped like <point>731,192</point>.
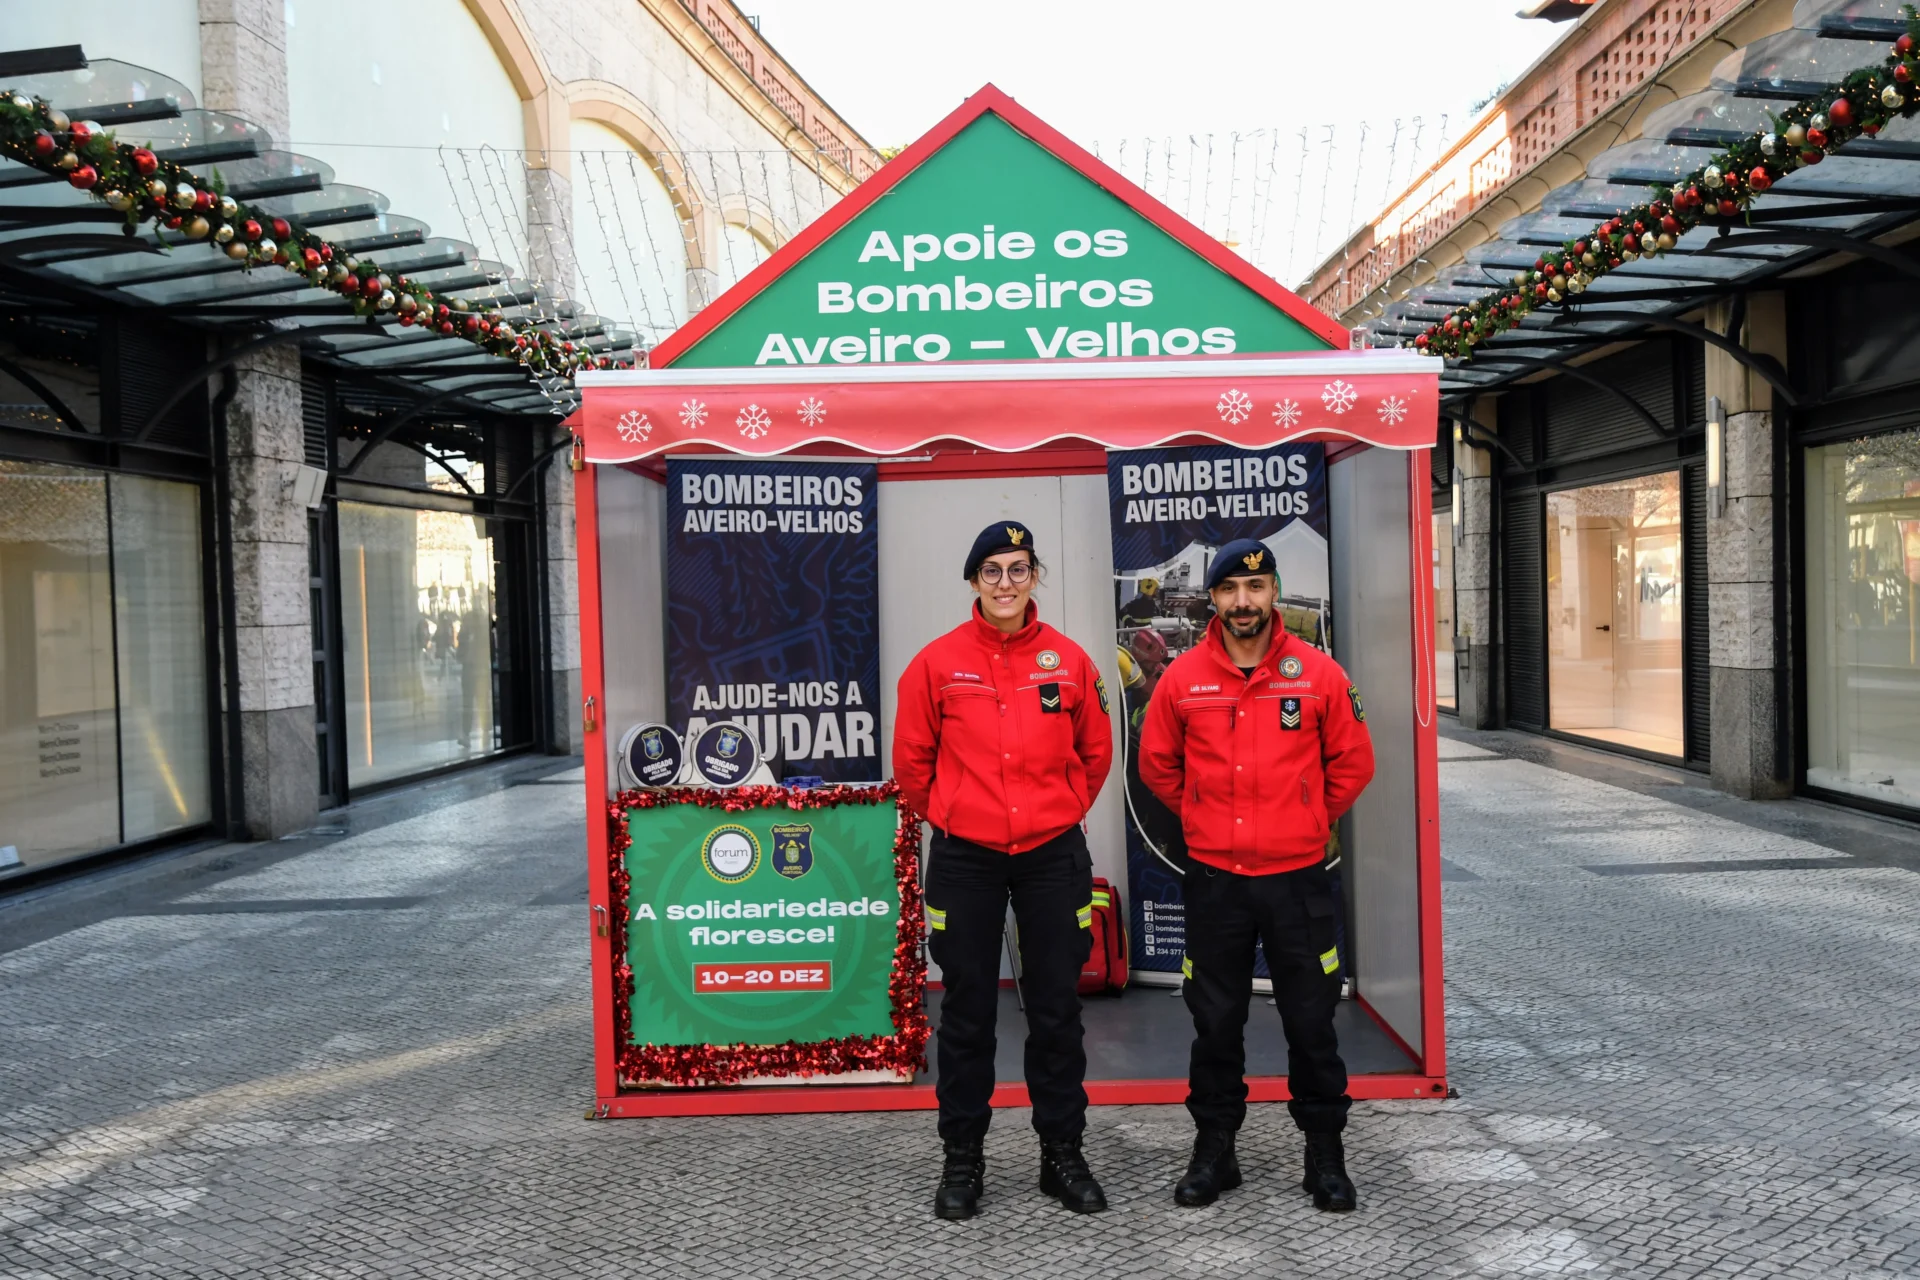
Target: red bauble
<point>1870,129</point>
<point>1579,246</point>
<point>567,347</point>
<point>84,177</point>
<point>1728,208</point>
<point>250,229</point>
<point>1631,244</point>
<point>1539,264</point>
<point>1903,73</point>
<point>406,317</point>
<point>1812,157</point>
<point>472,324</point>
<point>79,133</point>
<point>1670,225</point>
<point>326,253</point>
<point>440,312</point>
<point>1841,112</point>
<point>1759,179</point>
<point>282,229</point>
<point>145,161</point>
<point>1816,138</point>
<point>1613,262</point>
<point>351,284</point>
<point>311,257</point>
<point>43,144</point>
<point>1639,228</point>
<point>446,327</point>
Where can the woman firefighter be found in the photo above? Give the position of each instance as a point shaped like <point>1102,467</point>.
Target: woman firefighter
<point>1002,741</point>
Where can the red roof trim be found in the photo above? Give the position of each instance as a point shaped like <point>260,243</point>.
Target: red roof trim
<point>1064,149</point>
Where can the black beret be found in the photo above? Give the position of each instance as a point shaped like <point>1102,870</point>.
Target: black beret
<point>1007,535</point>
<point>1241,558</point>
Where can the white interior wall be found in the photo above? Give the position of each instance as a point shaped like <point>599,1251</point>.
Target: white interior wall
<point>1369,505</point>
<point>379,113</point>
<point>633,605</point>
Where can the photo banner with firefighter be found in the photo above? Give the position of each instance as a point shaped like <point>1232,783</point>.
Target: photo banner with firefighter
<point>1172,510</point>
<point>773,611</point>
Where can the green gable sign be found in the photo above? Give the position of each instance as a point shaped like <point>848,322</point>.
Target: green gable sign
<point>995,248</point>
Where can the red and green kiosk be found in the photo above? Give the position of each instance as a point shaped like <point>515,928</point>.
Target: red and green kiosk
<point>985,319</point>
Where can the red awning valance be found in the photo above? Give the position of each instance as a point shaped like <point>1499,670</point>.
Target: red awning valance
<point>1385,398</point>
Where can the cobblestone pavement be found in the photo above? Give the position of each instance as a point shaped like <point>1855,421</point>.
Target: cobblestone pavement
<point>1683,1028</point>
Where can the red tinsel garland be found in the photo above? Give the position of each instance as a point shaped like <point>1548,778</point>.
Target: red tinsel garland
<point>905,1050</point>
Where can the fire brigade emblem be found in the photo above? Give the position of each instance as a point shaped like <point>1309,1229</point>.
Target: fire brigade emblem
<point>1290,667</point>
<point>729,744</point>
<point>651,743</point>
<point>793,849</point>
<point>1253,560</point>
<point>1015,536</point>
<point>1047,660</point>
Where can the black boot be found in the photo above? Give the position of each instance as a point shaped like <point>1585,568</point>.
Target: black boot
<point>1326,1179</point>
<point>1213,1169</point>
<point>962,1179</point>
<point>1064,1176</point>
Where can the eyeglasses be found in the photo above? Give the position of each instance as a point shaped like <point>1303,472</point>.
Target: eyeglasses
<point>1018,574</point>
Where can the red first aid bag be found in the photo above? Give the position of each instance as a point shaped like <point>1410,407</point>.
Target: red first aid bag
<point>1106,966</point>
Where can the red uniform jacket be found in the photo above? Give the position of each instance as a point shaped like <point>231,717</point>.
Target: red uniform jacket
<point>1258,767</point>
<point>1002,739</point>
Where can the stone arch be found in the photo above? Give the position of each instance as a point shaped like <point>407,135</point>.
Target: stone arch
<point>617,109</point>
<point>499,21</point>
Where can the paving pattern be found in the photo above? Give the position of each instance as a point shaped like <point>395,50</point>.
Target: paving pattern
<point>1686,1044</point>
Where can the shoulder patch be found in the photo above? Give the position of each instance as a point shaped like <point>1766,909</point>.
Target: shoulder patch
<point>1100,687</point>
<point>1353,696</point>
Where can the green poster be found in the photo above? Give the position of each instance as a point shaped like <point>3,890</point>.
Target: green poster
<point>995,249</point>
<point>763,926</point>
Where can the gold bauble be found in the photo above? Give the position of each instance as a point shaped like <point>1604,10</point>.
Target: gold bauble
<point>1666,240</point>
<point>222,233</point>
<point>118,200</point>
<point>1553,295</point>
<point>157,191</point>
<point>237,250</point>
<point>196,227</point>
<point>1796,136</point>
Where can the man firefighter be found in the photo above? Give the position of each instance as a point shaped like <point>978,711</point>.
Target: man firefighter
<point>1002,740</point>
<point>1258,741</point>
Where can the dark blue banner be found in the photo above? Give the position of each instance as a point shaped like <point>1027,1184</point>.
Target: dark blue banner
<point>773,610</point>
<point>1172,509</point>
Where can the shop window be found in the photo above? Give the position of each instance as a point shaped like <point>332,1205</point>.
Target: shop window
<point>418,610</point>
<point>1863,641</point>
<point>1614,611</point>
<point>1443,670</point>
<point>103,678</point>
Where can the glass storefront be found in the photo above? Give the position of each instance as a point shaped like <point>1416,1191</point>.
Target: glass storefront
<point>1614,610</point>
<point>419,609</point>
<point>1863,640</point>
<point>103,662</point>
<point>1443,668</point>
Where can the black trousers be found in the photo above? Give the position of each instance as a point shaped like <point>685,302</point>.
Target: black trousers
<point>1292,913</point>
<point>1051,887</point>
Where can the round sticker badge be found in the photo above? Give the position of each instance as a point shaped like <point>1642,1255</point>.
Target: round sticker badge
<point>1290,667</point>
<point>730,854</point>
<point>1047,659</point>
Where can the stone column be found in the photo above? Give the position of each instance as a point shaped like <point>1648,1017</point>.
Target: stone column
<point>564,734</point>
<point>273,645</point>
<point>1750,752</point>
<point>243,68</point>
<point>243,60</point>
<point>1473,560</point>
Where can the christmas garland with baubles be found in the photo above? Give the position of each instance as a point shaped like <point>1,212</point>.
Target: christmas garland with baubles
<point>1718,193</point>
<point>149,189</point>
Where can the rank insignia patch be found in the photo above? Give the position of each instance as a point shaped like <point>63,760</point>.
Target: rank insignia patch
<point>1047,659</point>
<point>1289,713</point>
<point>1353,696</point>
<point>1290,667</point>
<point>793,849</point>
<point>1100,687</point>
<point>1050,698</point>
